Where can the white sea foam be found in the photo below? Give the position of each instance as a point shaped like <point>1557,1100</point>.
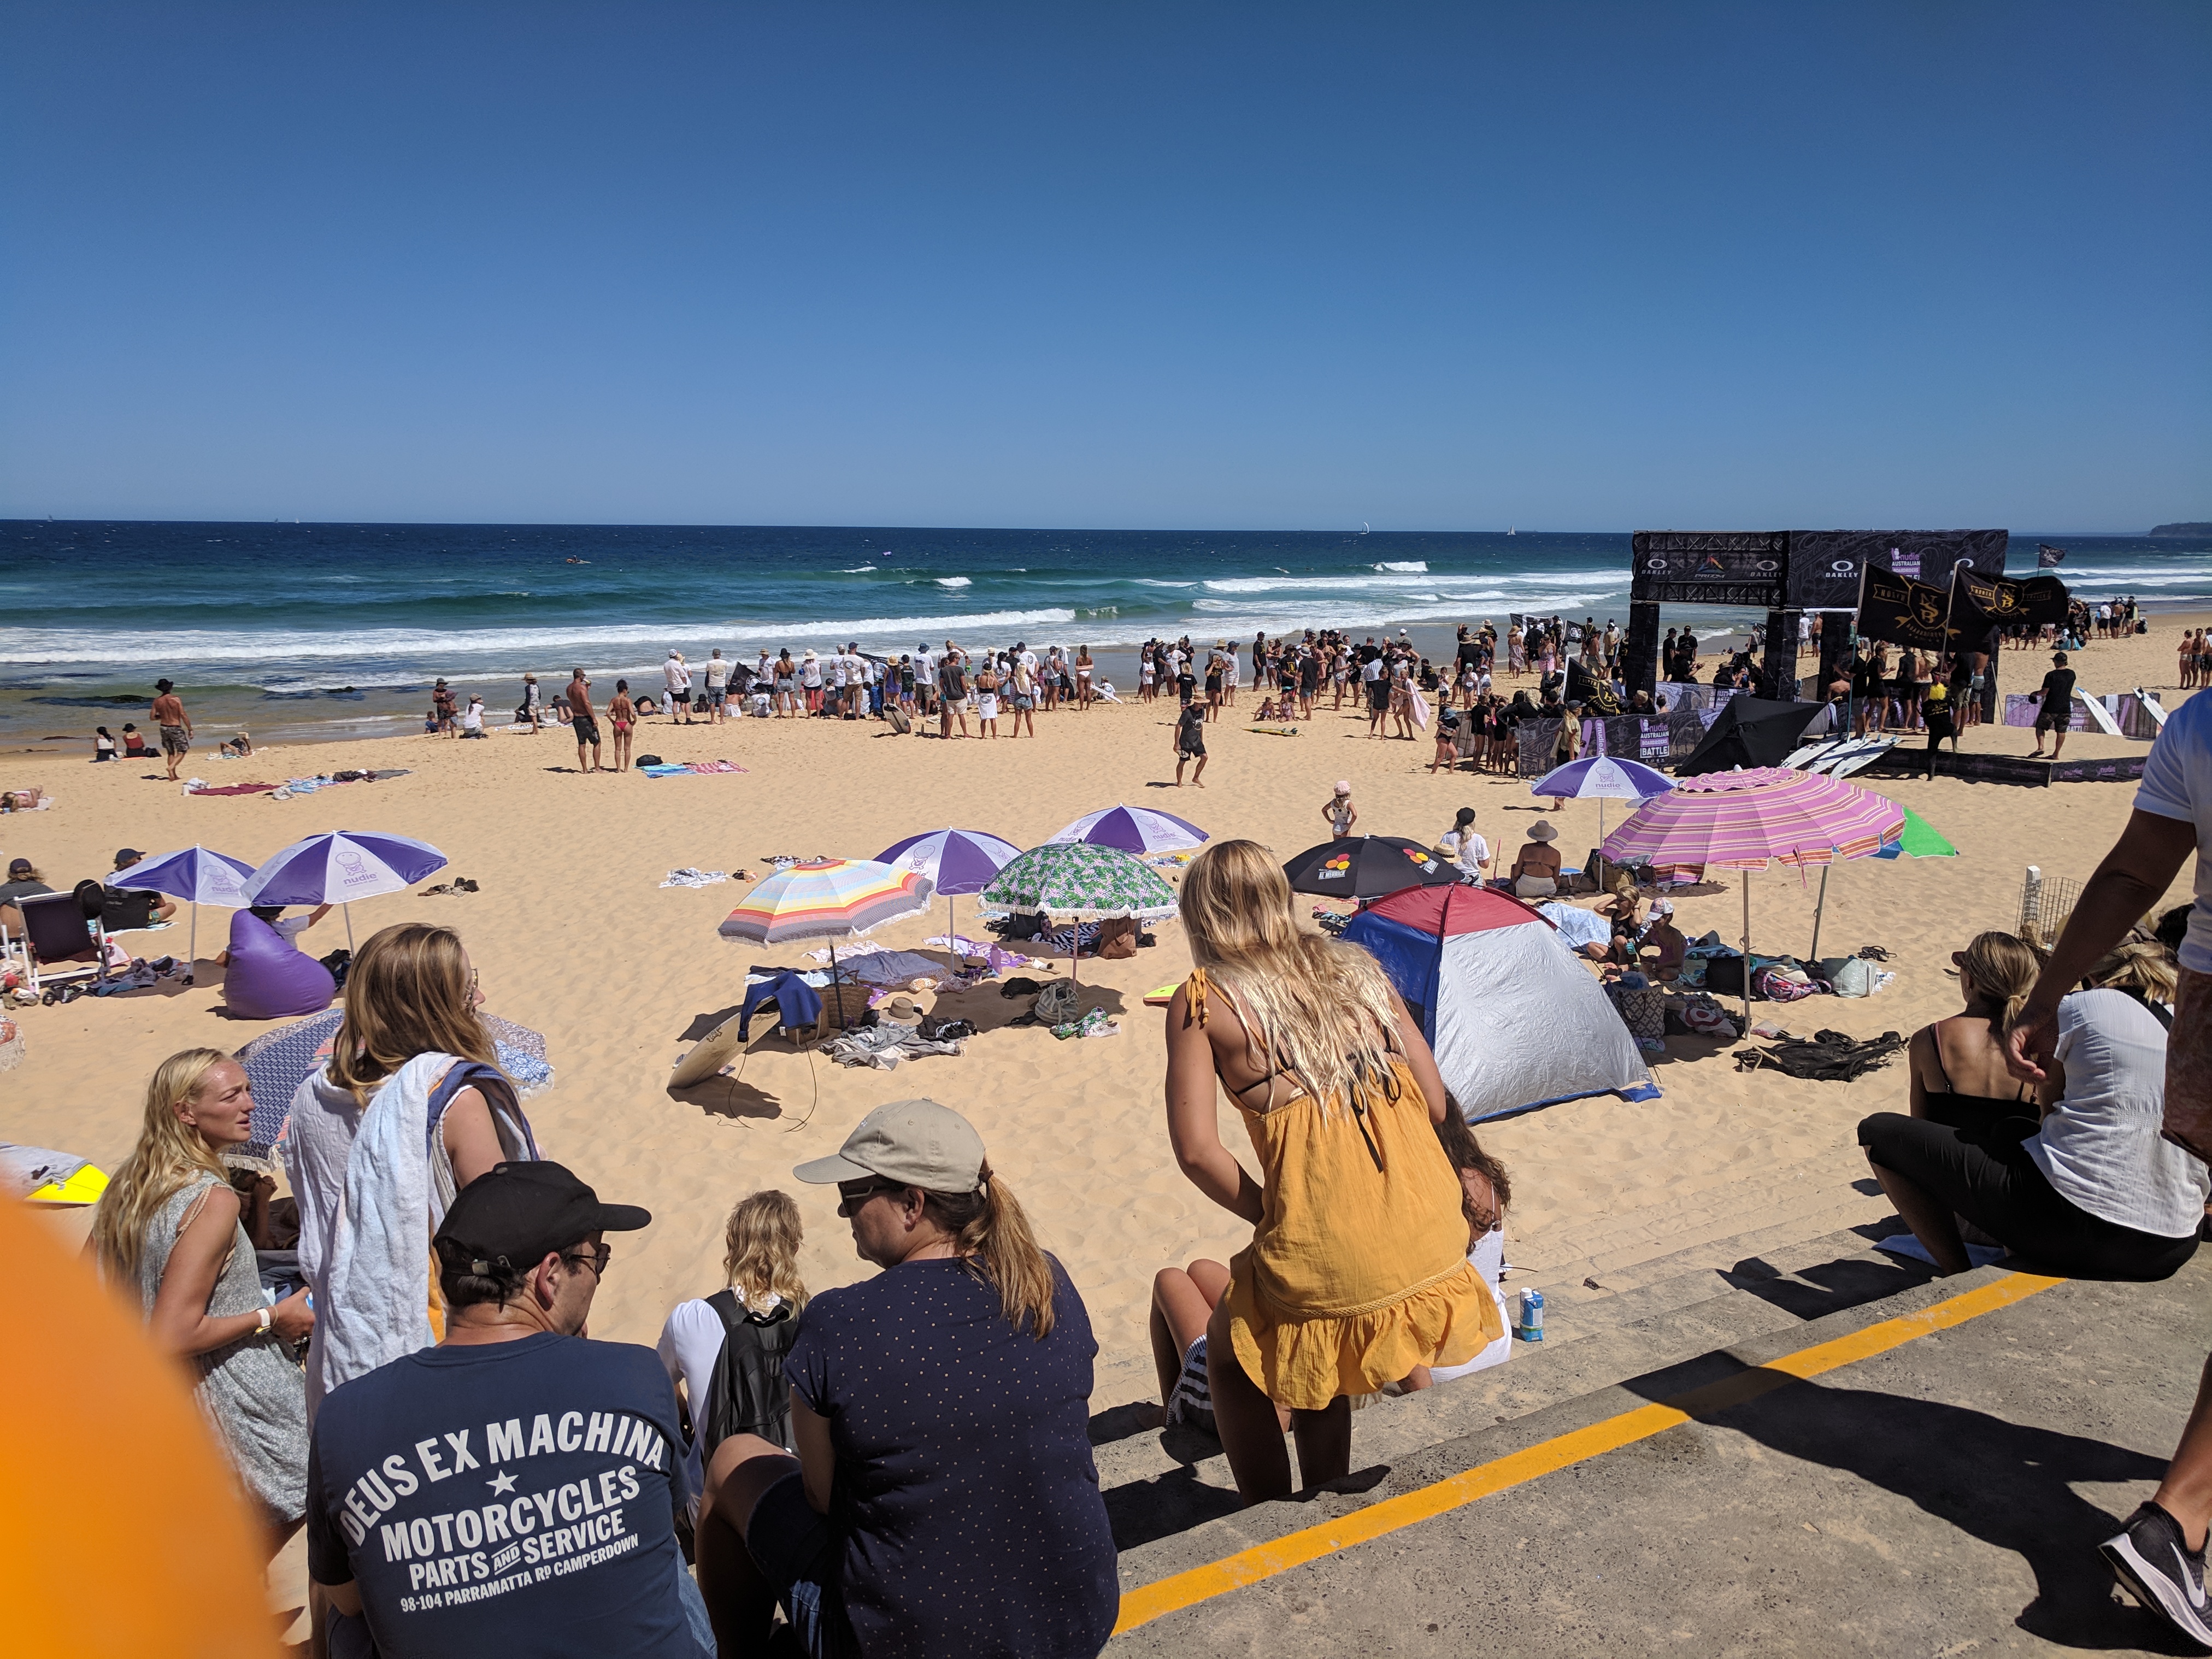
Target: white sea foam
<point>1420,566</point>
<point>954,581</point>
<point>857,569</point>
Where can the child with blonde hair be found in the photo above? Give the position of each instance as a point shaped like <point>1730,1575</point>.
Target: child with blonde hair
<point>724,1352</point>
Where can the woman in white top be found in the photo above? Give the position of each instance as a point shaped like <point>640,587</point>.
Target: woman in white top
<point>2095,1192</point>
<point>1461,846</point>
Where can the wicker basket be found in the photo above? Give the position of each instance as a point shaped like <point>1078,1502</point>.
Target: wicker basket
<point>842,1005</point>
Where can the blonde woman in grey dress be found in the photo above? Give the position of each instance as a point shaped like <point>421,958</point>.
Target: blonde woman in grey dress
<point>169,1225</point>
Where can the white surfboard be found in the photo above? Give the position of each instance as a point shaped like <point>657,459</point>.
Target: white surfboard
<point>2152,707</point>
<point>2099,716</point>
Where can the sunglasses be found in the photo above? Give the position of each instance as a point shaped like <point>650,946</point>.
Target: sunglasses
<point>853,1196</point>
<point>596,1260</point>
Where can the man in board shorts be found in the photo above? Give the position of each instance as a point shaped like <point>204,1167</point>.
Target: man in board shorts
<point>168,712</point>
<point>1190,742</point>
<point>586,723</point>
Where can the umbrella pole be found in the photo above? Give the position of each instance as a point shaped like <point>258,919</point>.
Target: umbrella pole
<point>835,995</point>
<point>192,950</point>
<point>1747,953</point>
<point>348,908</point>
<point>1818,905</point>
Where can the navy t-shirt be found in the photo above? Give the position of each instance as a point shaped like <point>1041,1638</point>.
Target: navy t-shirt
<point>513,1497</point>
<point>966,1503</point>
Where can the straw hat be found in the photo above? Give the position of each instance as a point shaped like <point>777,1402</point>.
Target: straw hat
<point>1542,830</point>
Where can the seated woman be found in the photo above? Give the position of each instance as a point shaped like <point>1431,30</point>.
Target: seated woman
<point>1183,1300</point>
<point>2095,1192</point>
<point>1958,1075</point>
<point>944,1499</point>
<point>1535,872</point>
<point>268,977</point>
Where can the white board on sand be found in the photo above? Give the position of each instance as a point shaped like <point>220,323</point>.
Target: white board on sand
<point>2099,716</point>
<point>2152,707</point>
<point>1863,755</point>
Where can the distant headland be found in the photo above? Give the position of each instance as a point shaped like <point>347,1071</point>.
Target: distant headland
<point>2199,527</point>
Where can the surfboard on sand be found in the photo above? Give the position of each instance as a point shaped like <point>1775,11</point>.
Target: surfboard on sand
<point>2099,716</point>
<point>1863,754</point>
<point>710,1053</point>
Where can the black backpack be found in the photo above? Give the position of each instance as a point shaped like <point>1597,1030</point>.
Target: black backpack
<point>747,1394</point>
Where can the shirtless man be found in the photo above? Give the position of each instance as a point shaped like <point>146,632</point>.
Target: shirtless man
<point>581,718</point>
<point>168,712</point>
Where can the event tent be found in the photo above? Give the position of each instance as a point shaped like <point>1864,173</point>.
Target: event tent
<point>1750,731</point>
<point>1514,1016</point>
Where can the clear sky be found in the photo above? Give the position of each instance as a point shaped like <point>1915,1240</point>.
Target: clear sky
<point>1563,266</point>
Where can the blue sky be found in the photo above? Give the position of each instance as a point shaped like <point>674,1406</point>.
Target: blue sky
<point>1567,267</point>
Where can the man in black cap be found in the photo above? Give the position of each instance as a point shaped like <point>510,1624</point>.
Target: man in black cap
<point>513,1489</point>
<point>163,907</point>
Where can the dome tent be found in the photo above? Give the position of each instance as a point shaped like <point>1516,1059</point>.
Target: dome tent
<point>1515,1018</point>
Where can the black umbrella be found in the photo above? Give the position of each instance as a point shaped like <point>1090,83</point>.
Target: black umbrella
<point>1367,866</point>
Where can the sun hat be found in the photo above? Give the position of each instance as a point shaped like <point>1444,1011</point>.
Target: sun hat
<point>918,1142</point>
<point>164,686</point>
<point>517,1214</point>
<point>1343,787</point>
<point>127,855</point>
<point>903,1008</point>
<point>1542,830</point>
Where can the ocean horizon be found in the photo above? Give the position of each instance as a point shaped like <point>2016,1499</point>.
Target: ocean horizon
<point>303,631</point>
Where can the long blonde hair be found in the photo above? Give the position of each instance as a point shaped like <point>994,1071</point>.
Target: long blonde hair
<point>168,1157</point>
<point>760,1254</point>
<point>408,994</point>
<point>2003,968</point>
<point>991,1232</point>
<point>2141,966</point>
<point>1322,1009</point>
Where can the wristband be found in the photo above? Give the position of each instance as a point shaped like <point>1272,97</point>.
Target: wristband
<point>268,1319</point>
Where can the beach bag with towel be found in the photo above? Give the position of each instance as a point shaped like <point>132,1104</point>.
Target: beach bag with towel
<point>1642,1008</point>
<point>1849,976</point>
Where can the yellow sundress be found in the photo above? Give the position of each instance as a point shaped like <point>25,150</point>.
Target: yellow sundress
<point>1358,1271</point>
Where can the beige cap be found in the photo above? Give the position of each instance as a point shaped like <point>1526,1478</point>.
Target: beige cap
<point>918,1142</point>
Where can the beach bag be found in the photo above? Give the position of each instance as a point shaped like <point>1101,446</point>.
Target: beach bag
<point>1724,975</point>
<point>1642,1008</point>
<point>1778,982</point>
<point>1853,977</point>
<point>1117,939</point>
<point>648,760</point>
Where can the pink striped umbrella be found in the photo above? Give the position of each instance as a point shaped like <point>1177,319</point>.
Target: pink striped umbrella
<point>1753,820</point>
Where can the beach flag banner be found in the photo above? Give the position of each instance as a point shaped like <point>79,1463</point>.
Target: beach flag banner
<point>1979,603</point>
<point>1903,612</point>
<point>1138,829</point>
<point>2048,557</point>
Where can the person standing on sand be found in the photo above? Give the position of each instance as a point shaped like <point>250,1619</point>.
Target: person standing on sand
<point>1339,813</point>
<point>951,691</point>
<point>530,704</point>
<point>1190,743</point>
<point>581,718</point>
<point>2054,711</point>
<point>622,714</point>
<point>677,678</point>
<point>718,687</point>
<point>168,712</point>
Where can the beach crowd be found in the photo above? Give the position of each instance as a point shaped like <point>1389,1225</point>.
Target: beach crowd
<point>903,1466</point>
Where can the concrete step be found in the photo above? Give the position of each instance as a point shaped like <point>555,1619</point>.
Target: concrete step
<point>1658,1312</point>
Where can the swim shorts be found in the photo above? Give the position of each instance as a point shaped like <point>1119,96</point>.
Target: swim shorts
<point>586,730</point>
<point>175,740</point>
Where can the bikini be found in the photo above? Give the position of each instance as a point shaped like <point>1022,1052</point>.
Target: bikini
<point>1974,1114</point>
<point>1198,987</point>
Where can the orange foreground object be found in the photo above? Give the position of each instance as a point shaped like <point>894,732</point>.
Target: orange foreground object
<point>121,1530</point>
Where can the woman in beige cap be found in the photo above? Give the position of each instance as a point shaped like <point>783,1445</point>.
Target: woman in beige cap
<point>945,1403</point>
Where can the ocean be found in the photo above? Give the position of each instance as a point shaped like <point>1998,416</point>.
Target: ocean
<point>302,632</point>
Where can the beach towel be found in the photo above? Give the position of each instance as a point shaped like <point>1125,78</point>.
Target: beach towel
<point>238,789</point>
<point>687,877</point>
<point>1420,706</point>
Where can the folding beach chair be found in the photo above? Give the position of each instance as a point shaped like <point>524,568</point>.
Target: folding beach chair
<point>61,943</point>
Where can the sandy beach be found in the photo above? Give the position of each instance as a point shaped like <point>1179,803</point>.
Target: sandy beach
<point>575,936</point>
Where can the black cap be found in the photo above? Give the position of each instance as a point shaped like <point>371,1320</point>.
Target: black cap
<point>519,1213</point>
<point>127,855</point>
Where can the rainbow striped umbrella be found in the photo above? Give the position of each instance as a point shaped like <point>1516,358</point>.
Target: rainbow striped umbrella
<point>1752,820</point>
<point>827,898</point>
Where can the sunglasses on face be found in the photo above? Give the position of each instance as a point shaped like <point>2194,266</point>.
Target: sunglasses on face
<point>596,1260</point>
<point>853,1196</point>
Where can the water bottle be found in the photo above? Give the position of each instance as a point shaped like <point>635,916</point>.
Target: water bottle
<point>1531,1328</point>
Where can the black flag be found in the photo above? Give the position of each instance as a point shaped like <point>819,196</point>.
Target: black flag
<point>1908,612</point>
<point>1596,695</point>
<point>2048,557</point>
<point>2003,603</point>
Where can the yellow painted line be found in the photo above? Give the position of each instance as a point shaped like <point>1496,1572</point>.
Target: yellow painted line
<point>1263,1561</point>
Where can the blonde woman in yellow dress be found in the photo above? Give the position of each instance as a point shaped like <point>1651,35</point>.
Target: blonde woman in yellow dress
<point>1357,1272</point>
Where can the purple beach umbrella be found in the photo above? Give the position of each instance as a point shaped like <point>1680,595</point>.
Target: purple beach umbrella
<point>194,874</point>
<point>957,860</point>
<point>342,867</point>
<point>1138,829</point>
